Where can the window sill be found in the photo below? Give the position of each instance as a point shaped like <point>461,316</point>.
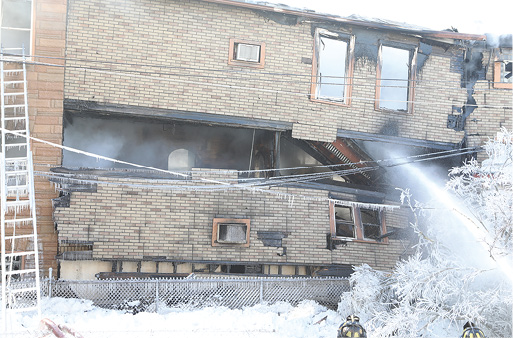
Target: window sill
<point>368,241</point>
<point>391,111</point>
<point>245,64</point>
<point>503,85</point>
<point>335,103</point>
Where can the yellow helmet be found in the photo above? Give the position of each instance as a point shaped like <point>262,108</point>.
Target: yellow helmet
<point>351,328</point>
<point>471,331</point>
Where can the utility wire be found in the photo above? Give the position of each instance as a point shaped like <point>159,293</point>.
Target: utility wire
<point>230,71</point>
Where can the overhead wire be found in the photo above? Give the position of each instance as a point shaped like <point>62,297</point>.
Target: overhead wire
<point>230,71</point>
<point>157,76</point>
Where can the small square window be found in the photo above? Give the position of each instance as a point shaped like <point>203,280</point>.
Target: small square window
<point>230,231</point>
<point>246,53</point>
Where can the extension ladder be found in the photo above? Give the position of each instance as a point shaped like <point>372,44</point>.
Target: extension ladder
<point>19,244</point>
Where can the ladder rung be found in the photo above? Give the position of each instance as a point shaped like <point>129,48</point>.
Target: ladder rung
<point>13,82</point>
<point>14,105</point>
<point>16,203</point>
<point>14,94</point>
<point>24,144</point>
<point>20,236</point>
<point>16,159</point>
<point>16,172</point>
<point>14,118</point>
<point>31,308</point>
<point>13,70</point>
<point>21,253</point>
<point>22,290</point>
<point>16,272</point>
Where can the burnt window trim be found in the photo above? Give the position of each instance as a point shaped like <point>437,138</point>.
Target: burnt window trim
<point>412,76</point>
<point>497,76</point>
<point>350,39</point>
<point>235,62</point>
<point>358,226</point>
<point>215,229</point>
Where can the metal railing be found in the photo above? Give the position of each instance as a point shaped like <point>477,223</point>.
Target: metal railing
<point>147,295</point>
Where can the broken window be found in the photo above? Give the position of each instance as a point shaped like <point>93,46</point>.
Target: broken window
<point>244,53</point>
<point>332,67</point>
<point>502,71</point>
<point>344,221</point>
<point>352,223</point>
<point>230,231</point>
<point>16,26</point>
<point>371,224</point>
<point>395,78</point>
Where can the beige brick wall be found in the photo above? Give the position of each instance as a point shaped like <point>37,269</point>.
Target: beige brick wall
<point>129,223</point>
<point>187,42</point>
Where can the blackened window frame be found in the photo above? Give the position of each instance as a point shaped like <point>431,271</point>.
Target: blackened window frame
<point>349,67</point>
<point>358,224</point>
<point>411,81</point>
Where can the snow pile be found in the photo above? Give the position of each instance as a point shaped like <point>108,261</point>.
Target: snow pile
<point>278,320</point>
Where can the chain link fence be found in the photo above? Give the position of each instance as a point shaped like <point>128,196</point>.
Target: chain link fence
<point>138,295</point>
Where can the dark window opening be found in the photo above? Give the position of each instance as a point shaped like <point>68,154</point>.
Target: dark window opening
<point>344,221</point>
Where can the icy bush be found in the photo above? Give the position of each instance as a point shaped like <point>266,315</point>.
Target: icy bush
<point>462,267</point>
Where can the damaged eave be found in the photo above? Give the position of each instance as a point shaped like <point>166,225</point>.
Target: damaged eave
<point>333,18</point>
<point>80,106</point>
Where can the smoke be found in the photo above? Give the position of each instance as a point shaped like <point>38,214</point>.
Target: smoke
<point>150,142</point>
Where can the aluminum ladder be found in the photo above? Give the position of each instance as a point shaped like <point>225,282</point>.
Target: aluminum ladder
<point>19,245</point>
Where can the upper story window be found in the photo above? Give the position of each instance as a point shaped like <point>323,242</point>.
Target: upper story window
<point>502,71</point>
<point>16,17</point>
<point>352,223</point>
<point>332,67</point>
<point>395,81</point>
<point>246,53</point>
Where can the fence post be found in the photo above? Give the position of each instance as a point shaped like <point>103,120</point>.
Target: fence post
<point>261,290</point>
<point>157,297</point>
<point>50,270</point>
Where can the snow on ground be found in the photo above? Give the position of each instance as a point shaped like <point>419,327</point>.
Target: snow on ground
<point>278,320</point>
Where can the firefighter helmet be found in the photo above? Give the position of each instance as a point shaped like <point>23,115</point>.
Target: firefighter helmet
<point>471,331</point>
<point>351,328</point>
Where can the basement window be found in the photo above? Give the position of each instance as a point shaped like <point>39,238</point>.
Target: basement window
<point>16,26</point>
<point>395,80</point>
<point>352,223</point>
<point>502,71</point>
<point>332,69</point>
<point>230,232</point>
<point>246,53</point>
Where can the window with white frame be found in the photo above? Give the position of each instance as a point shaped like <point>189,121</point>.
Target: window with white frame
<point>16,25</point>
<point>246,53</point>
<point>356,223</point>
<point>332,67</point>
<point>395,80</point>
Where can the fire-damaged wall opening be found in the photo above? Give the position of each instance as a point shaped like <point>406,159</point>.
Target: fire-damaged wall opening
<point>164,144</point>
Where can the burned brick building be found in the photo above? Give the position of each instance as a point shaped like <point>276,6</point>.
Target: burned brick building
<point>261,134</point>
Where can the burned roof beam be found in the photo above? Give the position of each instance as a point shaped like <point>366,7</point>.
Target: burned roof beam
<point>396,139</point>
<point>79,106</point>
